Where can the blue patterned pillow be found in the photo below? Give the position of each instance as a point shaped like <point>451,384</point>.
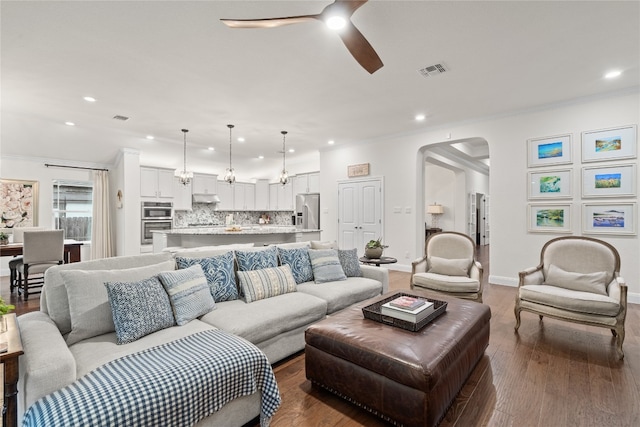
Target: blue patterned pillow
<point>298,260</point>
<point>266,283</point>
<point>326,265</point>
<point>189,293</point>
<point>219,273</point>
<point>257,260</point>
<point>139,308</point>
<point>350,262</point>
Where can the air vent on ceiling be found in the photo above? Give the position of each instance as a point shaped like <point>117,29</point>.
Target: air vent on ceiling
<point>432,70</point>
<point>123,118</point>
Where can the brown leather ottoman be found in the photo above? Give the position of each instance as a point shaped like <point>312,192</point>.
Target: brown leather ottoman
<point>407,378</point>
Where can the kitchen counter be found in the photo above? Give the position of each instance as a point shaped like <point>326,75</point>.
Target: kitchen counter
<point>259,235</point>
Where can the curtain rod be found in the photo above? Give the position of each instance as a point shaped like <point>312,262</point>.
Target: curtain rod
<point>74,167</point>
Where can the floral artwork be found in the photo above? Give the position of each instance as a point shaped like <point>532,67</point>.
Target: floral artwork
<point>18,203</point>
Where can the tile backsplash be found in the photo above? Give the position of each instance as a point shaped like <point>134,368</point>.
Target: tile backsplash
<point>204,214</point>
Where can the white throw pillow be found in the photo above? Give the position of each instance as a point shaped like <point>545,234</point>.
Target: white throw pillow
<point>88,299</point>
<point>583,282</point>
<point>449,267</point>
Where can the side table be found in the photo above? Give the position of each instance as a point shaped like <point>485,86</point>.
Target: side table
<point>378,261</point>
<point>9,360</point>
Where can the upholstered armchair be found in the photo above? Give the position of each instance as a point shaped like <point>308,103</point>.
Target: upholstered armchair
<point>449,267</point>
<point>577,280</point>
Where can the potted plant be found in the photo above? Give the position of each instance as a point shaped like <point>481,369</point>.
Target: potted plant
<point>4,238</point>
<point>4,309</point>
<point>374,248</point>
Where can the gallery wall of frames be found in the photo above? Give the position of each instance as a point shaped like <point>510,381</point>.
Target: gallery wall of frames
<point>599,179</point>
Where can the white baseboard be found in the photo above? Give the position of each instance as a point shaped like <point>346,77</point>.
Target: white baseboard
<point>399,267</point>
<point>502,280</point>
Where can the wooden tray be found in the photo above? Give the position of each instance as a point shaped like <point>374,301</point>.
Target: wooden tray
<point>372,312</point>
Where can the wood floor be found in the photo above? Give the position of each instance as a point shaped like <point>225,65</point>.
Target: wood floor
<point>550,374</point>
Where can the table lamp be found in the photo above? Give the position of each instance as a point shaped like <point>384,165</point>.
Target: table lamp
<point>435,210</point>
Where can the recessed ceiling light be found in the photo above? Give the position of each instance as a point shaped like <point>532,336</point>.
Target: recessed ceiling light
<point>291,150</point>
<point>331,142</point>
<point>420,117</point>
<point>261,157</point>
<point>89,99</point>
<point>69,123</point>
<point>612,74</point>
<point>336,22</point>
<point>240,139</point>
<point>149,136</point>
<point>211,149</point>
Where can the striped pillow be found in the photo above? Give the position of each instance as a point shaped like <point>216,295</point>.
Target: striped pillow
<point>326,265</point>
<point>266,283</point>
<point>189,293</point>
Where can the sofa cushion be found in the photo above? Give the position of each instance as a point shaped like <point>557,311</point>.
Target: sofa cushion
<point>449,267</point>
<point>209,251</point>
<point>350,262</point>
<point>257,259</point>
<point>267,318</point>
<point>293,245</point>
<point>444,283</point>
<point>339,295</point>
<point>566,299</point>
<point>584,282</point>
<point>328,244</point>
<point>89,307</point>
<point>189,293</point>
<point>266,283</point>
<point>298,260</point>
<point>139,308</point>
<point>326,265</point>
<point>218,270</point>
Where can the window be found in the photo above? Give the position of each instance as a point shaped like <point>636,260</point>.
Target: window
<point>73,208</point>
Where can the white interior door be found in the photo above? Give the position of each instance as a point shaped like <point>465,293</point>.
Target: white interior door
<point>360,213</point>
<point>473,221</point>
<point>484,225</point>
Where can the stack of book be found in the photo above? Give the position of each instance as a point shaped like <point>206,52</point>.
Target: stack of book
<point>410,309</point>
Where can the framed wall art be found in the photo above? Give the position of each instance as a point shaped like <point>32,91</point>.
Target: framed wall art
<point>609,218</point>
<point>609,144</point>
<point>551,150</point>
<point>549,218</point>
<point>18,203</point>
<point>610,181</point>
<point>551,184</point>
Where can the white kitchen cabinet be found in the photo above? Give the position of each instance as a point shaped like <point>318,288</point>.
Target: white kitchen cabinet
<point>244,194</point>
<point>156,183</point>
<point>262,195</point>
<point>205,184</point>
<point>306,183</point>
<point>273,197</point>
<point>225,193</point>
<point>285,197</point>
<point>182,200</point>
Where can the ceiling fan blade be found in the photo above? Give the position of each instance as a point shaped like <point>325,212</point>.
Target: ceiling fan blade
<point>360,48</point>
<point>346,7</point>
<point>267,22</point>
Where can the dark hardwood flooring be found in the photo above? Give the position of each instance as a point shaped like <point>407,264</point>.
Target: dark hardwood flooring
<point>550,374</point>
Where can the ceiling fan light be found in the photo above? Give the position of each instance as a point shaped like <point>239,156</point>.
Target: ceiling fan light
<point>336,22</point>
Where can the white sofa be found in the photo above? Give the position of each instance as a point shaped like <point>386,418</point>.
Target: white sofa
<point>275,325</point>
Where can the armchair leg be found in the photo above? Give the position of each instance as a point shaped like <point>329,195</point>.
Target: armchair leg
<point>614,333</point>
<point>516,311</point>
<point>619,341</point>
<point>540,317</point>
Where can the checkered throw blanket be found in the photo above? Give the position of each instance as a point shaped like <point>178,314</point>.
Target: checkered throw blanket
<point>173,384</point>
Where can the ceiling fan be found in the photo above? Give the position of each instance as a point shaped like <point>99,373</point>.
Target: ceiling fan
<point>337,16</point>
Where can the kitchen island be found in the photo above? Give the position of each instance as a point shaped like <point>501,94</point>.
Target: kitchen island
<point>259,235</point>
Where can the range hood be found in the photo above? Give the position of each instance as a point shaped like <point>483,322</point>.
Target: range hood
<point>206,198</point>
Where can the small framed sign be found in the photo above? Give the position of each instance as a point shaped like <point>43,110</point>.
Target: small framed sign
<point>358,170</point>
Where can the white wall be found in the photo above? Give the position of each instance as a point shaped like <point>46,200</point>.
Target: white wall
<point>400,161</point>
<point>440,188</point>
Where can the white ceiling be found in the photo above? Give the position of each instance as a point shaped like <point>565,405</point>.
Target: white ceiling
<point>172,64</point>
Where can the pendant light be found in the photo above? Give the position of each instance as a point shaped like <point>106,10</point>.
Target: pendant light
<point>184,176</point>
<point>229,176</point>
<point>284,176</point>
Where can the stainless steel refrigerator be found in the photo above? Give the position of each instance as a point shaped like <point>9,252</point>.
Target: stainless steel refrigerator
<point>308,211</point>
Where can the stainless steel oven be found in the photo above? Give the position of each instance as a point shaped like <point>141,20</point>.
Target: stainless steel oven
<point>155,216</point>
<point>157,210</point>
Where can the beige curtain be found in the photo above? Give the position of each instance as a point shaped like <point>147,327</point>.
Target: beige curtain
<point>101,241</point>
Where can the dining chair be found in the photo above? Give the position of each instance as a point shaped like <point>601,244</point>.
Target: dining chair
<point>18,237</point>
<point>41,250</point>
